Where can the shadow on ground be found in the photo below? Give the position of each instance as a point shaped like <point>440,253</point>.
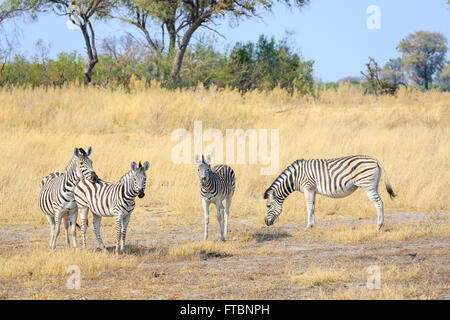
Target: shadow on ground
<point>140,251</point>
<point>262,236</point>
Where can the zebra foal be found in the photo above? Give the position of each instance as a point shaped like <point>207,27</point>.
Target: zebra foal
<point>335,178</point>
<point>216,184</point>
<point>56,198</point>
<point>107,199</point>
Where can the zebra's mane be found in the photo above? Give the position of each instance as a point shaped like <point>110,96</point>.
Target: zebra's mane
<point>126,176</point>
<point>51,176</point>
<point>286,173</point>
<point>70,166</point>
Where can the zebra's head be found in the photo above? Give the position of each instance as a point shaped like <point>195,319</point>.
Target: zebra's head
<point>139,178</point>
<point>273,207</point>
<point>204,168</point>
<point>84,167</point>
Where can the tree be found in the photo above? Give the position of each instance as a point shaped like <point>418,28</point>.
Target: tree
<point>444,75</point>
<point>13,8</point>
<point>423,55</point>
<point>180,19</point>
<point>137,13</point>
<point>267,64</point>
<point>376,85</point>
<point>81,13</point>
<point>393,71</point>
<point>203,13</point>
<point>352,80</point>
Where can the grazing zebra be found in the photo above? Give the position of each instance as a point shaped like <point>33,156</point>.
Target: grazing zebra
<point>216,184</point>
<point>111,199</point>
<point>335,178</point>
<point>56,198</point>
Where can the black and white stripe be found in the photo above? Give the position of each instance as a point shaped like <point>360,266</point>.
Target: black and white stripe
<point>56,198</point>
<point>217,184</point>
<point>106,199</point>
<point>335,178</point>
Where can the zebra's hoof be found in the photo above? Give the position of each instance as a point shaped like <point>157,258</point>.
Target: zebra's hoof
<point>309,226</point>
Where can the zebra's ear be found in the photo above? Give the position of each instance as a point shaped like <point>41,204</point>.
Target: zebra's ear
<point>76,152</point>
<point>134,166</point>
<point>197,159</point>
<point>268,194</point>
<point>208,159</point>
<point>146,165</point>
<point>89,151</point>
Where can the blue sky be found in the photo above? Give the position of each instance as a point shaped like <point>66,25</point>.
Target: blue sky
<point>332,33</point>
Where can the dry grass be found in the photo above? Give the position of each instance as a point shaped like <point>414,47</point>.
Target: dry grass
<point>394,232</point>
<point>397,282</point>
<point>316,276</point>
<point>42,263</point>
<point>409,134</point>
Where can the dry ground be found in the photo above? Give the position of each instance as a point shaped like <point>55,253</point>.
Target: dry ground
<point>257,262</point>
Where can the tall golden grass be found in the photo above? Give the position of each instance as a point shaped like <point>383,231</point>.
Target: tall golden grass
<point>408,133</point>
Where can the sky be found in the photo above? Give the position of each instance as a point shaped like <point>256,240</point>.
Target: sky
<point>338,35</point>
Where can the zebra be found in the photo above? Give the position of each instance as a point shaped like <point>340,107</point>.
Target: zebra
<point>335,178</point>
<point>56,198</point>
<point>217,184</point>
<point>107,199</point>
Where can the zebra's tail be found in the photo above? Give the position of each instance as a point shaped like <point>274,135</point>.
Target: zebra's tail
<point>387,183</point>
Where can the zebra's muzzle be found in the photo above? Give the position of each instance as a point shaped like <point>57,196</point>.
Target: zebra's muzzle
<point>268,221</point>
<point>141,194</point>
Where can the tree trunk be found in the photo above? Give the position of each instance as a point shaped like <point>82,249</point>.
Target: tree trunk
<point>91,51</point>
<point>88,71</point>
<point>426,77</point>
<point>172,35</point>
<point>182,50</point>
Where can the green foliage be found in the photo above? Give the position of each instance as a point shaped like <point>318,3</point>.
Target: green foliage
<point>263,65</point>
<point>67,68</point>
<point>267,64</point>
<point>423,55</point>
<point>444,75</point>
<point>13,8</point>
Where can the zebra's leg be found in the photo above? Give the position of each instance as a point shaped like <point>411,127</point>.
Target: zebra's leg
<point>57,228</point>
<point>227,214</point>
<point>206,209</point>
<point>310,197</point>
<point>96,222</point>
<point>219,207</point>
<point>373,195</point>
<point>119,224</point>
<point>83,216</point>
<point>73,226</point>
<point>51,221</point>
<point>66,228</point>
<point>124,231</point>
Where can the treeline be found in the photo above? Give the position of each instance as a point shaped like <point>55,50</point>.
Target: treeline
<point>263,65</point>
